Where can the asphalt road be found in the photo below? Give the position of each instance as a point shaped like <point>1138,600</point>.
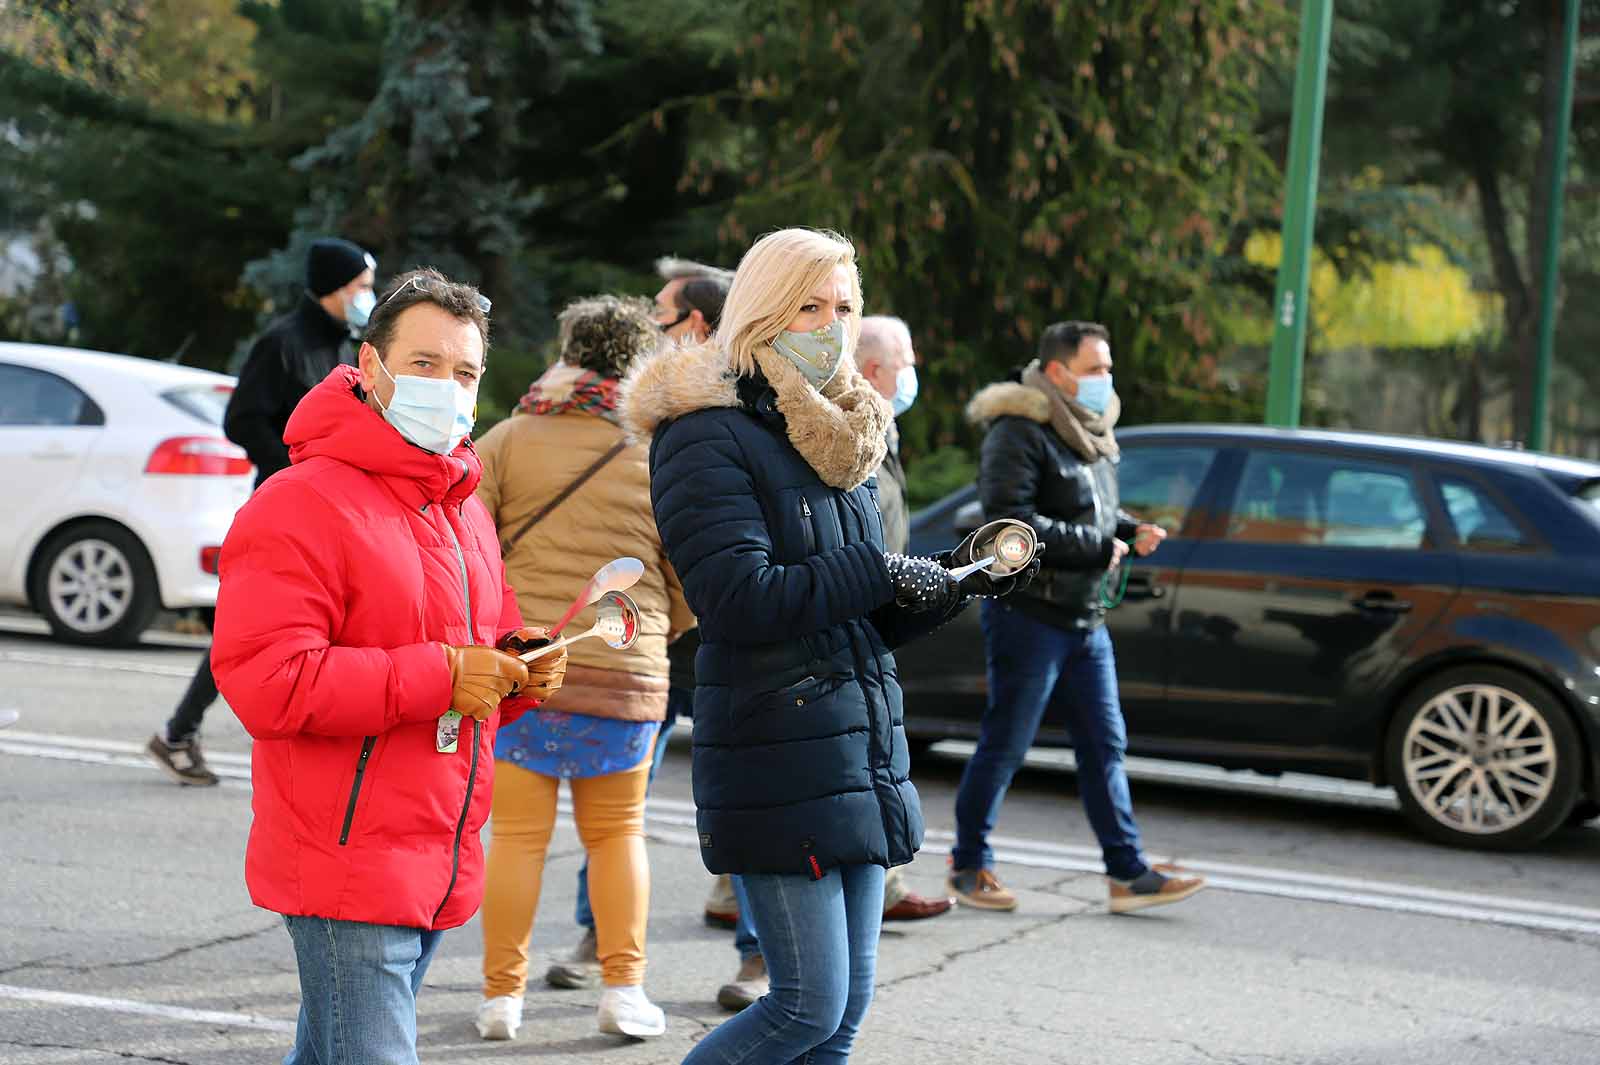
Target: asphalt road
<point>1331,934</point>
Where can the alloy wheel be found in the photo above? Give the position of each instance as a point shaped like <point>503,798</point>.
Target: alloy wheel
<point>1479,759</point>
<point>90,585</point>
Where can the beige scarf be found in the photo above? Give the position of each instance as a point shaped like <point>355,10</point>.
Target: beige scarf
<point>841,432</point>
<point>1088,434</point>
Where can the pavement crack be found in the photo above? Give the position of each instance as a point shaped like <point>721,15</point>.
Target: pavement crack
<point>134,963</point>
<point>126,1055</point>
<point>953,956</point>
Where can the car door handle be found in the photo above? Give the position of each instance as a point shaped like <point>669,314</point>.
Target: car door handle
<point>51,453</point>
<point>1143,586</point>
<point>1385,602</point>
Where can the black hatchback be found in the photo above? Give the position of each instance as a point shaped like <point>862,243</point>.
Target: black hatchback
<point>1410,612</point>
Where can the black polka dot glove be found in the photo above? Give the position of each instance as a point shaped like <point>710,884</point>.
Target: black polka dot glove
<point>984,586</point>
<point>922,584</point>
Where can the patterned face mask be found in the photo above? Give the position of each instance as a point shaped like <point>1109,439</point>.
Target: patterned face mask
<point>817,354</point>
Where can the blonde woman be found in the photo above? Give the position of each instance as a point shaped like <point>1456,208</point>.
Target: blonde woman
<point>599,735</point>
<point>765,442</point>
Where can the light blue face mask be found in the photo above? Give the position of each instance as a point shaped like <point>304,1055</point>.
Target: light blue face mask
<point>1094,393</point>
<point>905,390</point>
<point>360,310</point>
<point>435,414</point>
<point>816,354</point>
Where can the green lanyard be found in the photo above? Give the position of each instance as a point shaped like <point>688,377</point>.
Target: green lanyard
<point>1111,600</point>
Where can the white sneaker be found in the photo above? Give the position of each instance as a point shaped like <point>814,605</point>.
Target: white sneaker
<point>499,1018</point>
<point>625,1011</point>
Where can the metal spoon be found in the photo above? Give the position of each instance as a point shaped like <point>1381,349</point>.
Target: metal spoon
<point>617,575</point>
<point>617,624</point>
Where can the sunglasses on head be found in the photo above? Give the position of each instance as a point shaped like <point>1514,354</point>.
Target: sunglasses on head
<point>430,286</point>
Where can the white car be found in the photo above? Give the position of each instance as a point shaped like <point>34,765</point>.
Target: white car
<point>118,487</point>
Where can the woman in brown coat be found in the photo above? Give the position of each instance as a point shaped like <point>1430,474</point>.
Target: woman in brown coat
<point>598,733</point>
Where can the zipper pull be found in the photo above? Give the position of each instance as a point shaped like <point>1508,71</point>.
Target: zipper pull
<point>805,506</point>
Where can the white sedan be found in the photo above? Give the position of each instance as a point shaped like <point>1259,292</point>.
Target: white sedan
<point>118,487</point>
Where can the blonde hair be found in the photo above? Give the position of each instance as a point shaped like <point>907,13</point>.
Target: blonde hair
<point>774,280</point>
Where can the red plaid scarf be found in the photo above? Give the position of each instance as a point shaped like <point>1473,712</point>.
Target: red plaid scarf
<point>564,388</point>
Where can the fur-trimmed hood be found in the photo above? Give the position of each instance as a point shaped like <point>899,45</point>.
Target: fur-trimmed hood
<point>841,432</point>
<point>1008,398</point>
<point>671,383</point>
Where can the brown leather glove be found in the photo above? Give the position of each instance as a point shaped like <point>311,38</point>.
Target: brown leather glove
<point>544,674</point>
<point>480,677</point>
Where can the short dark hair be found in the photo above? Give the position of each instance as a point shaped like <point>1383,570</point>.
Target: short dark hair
<point>426,285</point>
<point>703,294</point>
<point>1061,340</point>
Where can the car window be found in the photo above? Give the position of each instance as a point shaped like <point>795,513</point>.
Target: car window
<point>206,402</point>
<point>1478,520</point>
<point>1158,484</point>
<point>34,397</point>
<point>1299,498</point>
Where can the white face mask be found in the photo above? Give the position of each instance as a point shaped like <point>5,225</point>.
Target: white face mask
<point>360,309</point>
<point>435,414</point>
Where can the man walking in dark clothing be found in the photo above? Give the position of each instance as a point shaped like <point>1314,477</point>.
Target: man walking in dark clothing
<point>289,359</point>
<point>1050,460</point>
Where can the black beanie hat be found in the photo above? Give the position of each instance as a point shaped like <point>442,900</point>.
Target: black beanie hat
<point>333,264</point>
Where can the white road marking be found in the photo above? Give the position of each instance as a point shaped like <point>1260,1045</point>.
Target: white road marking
<point>147,1009</point>
<point>664,815</point>
<point>85,662</point>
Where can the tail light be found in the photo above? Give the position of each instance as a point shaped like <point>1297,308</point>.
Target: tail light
<point>210,558</point>
<point>198,455</point>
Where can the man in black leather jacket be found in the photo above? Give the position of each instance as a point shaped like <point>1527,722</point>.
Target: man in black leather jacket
<point>1049,459</point>
<point>291,357</point>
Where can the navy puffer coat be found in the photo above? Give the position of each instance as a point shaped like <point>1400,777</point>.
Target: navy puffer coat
<point>800,757</point>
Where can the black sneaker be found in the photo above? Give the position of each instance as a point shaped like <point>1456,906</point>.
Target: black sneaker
<point>182,762</point>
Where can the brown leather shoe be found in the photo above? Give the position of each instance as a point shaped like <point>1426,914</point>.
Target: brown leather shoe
<point>980,889</point>
<point>915,907</point>
<point>1162,886</point>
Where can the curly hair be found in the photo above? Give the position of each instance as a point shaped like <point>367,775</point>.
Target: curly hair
<point>607,333</point>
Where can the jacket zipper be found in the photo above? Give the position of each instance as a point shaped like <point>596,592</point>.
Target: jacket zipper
<point>355,788</point>
<point>811,532</point>
<point>472,771</point>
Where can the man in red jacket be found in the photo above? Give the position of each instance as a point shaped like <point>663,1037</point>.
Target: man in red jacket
<point>362,602</point>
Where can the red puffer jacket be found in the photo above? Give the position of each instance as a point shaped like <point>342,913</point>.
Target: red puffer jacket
<point>341,577</point>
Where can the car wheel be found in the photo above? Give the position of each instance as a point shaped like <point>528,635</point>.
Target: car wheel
<point>1484,757</point>
<point>94,584</point>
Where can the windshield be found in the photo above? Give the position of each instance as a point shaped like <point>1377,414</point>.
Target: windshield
<point>206,402</point>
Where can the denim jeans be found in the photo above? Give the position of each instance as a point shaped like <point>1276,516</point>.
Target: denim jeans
<point>820,941</point>
<point>358,991</point>
<point>677,699</point>
<point>745,940</point>
<point>1033,665</point>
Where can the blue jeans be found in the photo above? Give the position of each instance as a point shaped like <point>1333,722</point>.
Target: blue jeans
<point>676,699</point>
<point>1033,665</point>
<point>820,940</point>
<point>358,991</point>
<point>745,940</point>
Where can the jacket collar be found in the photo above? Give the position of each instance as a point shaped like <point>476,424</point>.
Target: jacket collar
<point>319,323</point>
<point>333,421</point>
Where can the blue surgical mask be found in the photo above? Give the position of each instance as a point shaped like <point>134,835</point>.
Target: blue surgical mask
<point>905,390</point>
<point>434,413</point>
<point>816,354</point>
<point>360,309</point>
<point>1094,393</point>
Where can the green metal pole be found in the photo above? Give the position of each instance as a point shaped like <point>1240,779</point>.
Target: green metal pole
<point>1539,423</point>
<point>1289,305</point>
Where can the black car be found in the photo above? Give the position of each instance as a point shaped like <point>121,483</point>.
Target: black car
<point>1410,612</point>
